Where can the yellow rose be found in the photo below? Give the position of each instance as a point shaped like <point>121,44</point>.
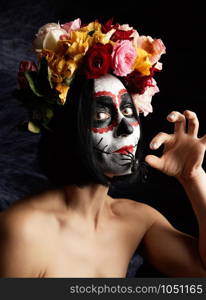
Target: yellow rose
<point>79,44</point>
<point>70,68</point>
<point>93,31</point>
<point>142,62</point>
<point>93,26</point>
<point>48,54</point>
<point>103,38</point>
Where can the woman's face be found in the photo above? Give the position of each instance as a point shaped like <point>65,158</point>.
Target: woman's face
<point>115,130</point>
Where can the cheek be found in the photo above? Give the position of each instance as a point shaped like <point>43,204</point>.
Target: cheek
<point>136,132</point>
<point>134,124</point>
<point>134,137</point>
<point>100,140</point>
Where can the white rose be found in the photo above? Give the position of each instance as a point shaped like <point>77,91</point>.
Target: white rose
<point>48,36</point>
<point>143,102</point>
<point>125,27</point>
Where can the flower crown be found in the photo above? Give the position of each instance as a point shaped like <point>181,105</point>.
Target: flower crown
<point>94,50</point>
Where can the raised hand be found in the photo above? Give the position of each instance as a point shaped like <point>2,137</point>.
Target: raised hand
<point>183,152</point>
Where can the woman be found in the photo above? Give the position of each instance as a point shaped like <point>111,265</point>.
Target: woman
<point>77,229</point>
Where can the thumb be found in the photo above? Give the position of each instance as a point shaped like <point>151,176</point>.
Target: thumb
<point>154,161</point>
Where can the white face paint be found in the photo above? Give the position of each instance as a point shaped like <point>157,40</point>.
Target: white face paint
<point>115,129</point>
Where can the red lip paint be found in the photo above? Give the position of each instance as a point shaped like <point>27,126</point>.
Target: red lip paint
<point>125,149</point>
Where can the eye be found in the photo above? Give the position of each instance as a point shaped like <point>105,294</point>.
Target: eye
<point>102,116</point>
<point>127,111</point>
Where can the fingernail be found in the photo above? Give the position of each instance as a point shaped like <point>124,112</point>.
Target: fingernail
<point>171,116</point>
<point>153,145</point>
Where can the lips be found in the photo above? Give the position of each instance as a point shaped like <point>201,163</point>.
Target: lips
<point>125,149</point>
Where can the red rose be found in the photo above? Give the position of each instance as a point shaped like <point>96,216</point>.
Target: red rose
<point>23,67</point>
<point>122,35</point>
<point>119,34</point>
<point>136,83</point>
<point>97,61</point>
<point>108,26</point>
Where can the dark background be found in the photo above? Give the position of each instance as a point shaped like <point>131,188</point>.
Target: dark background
<point>181,83</point>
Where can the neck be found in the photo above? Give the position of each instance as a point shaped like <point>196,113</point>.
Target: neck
<point>89,202</point>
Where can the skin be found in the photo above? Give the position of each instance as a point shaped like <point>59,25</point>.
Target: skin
<point>85,233</point>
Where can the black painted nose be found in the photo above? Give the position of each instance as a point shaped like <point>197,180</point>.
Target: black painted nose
<point>124,128</point>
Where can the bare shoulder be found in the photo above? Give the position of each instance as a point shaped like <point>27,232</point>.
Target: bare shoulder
<point>138,211</point>
<point>27,216</point>
<point>25,236</point>
<point>21,222</point>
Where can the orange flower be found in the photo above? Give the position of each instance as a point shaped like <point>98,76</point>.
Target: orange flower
<point>154,47</point>
<point>63,90</point>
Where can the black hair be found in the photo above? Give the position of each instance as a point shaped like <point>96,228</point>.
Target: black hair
<point>66,151</point>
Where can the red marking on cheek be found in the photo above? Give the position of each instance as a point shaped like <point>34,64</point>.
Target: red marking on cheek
<point>104,129</point>
<point>135,123</point>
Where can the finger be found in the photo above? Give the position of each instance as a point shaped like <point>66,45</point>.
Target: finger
<point>159,139</point>
<point>154,161</point>
<point>193,123</point>
<point>179,120</point>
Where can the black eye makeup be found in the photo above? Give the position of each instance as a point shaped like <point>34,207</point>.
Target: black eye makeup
<point>103,111</point>
<point>127,107</point>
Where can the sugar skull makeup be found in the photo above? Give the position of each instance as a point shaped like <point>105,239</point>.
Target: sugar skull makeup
<point>115,130</point>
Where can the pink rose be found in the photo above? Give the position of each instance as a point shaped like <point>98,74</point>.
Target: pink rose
<point>123,57</point>
<point>71,26</point>
<point>143,102</point>
<point>154,47</point>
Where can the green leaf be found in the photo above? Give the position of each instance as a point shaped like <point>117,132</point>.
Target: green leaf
<point>37,114</point>
<point>33,127</point>
<point>49,113</point>
<point>43,77</point>
<point>32,83</point>
<point>49,78</point>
